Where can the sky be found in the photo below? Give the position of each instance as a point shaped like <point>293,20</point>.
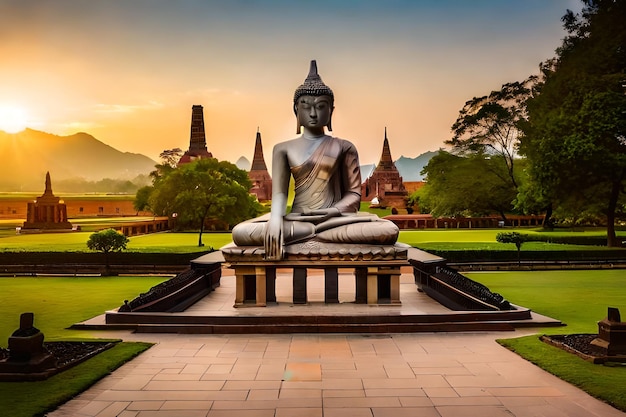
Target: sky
<point>129,71</point>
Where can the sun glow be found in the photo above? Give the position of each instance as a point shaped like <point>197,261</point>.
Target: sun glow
<point>13,119</point>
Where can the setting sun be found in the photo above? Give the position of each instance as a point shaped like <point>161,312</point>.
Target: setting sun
<point>13,119</point>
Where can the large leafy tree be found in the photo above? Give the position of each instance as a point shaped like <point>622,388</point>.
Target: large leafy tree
<point>201,191</point>
<point>489,126</point>
<point>483,177</point>
<point>169,161</point>
<point>575,135</point>
<point>465,186</point>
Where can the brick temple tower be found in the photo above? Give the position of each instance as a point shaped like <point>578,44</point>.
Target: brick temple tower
<point>197,139</point>
<point>385,183</point>
<point>47,211</point>
<point>260,177</point>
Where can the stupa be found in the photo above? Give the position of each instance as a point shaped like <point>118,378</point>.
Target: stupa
<point>385,184</point>
<point>47,211</point>
<point>197,139</point>
<point>260,177</point>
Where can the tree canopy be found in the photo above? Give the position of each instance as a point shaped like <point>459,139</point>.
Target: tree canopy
<point>109,240</point>
<point>480,175</point>
<point>201,191</point>
<point>574,138</point>
<point>566,127</point>
<point>465,186</point>
<point>513,237</point>
<point>490,124</point>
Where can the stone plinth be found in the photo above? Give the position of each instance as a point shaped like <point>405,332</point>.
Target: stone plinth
<point>26,351</point>
<point>611,334</point>
<point>376,271</point>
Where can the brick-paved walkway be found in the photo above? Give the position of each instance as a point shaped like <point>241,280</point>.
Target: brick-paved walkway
<point>425,374</point>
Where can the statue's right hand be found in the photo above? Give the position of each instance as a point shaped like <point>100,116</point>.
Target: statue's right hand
<point>274,239</point>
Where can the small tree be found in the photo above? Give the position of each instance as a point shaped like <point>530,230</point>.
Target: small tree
<point>513,237</point>
<point>107,241</point>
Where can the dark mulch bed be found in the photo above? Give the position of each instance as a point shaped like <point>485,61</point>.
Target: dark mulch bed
<point>580,344</point>
<point>69,354</point>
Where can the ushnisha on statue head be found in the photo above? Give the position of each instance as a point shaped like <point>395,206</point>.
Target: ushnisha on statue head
<point>311,94</point>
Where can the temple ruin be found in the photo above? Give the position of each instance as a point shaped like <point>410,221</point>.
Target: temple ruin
<point>197,140</point>
<point>385,186</point>
<point>47,211</point>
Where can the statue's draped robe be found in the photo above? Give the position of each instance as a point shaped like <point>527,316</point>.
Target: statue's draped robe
<point>330,177</point>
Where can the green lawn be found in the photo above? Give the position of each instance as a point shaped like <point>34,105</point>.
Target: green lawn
<point>485,239</point>
<point>577,298</point>
<point>177,242</point>
<point>60,302</point>
<point>169,242</point>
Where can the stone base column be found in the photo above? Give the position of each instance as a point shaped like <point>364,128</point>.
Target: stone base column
<point>299,286</point>
<point>250,280</point>
<point>331,286</point>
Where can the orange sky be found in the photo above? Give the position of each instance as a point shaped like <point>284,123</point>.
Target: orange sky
<point>128,72</point>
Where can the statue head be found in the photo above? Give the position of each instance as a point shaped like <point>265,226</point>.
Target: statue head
<point>312,92</point>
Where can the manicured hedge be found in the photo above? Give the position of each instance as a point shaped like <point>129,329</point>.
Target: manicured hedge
<point>568,239</point>
<point>511,256</point>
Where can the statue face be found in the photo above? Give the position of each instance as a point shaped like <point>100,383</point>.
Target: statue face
<point>314,112</point>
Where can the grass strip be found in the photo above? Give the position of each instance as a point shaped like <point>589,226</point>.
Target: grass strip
<point>579,298</point>
<point>27,399</point>
<point>603,382</point>
<point>166,242</point>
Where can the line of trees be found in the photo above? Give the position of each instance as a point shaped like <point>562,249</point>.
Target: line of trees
<point>554,143</point>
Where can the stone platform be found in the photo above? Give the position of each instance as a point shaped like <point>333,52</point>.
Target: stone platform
<point>216,314</point>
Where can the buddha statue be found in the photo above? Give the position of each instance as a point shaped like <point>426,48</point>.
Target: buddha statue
<point>327,181</point>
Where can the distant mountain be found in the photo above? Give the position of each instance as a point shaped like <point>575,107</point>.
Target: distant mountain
<point>28,155</point>
<point>409,168</point>
<point>366,171</point>
<point>243,163</point>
